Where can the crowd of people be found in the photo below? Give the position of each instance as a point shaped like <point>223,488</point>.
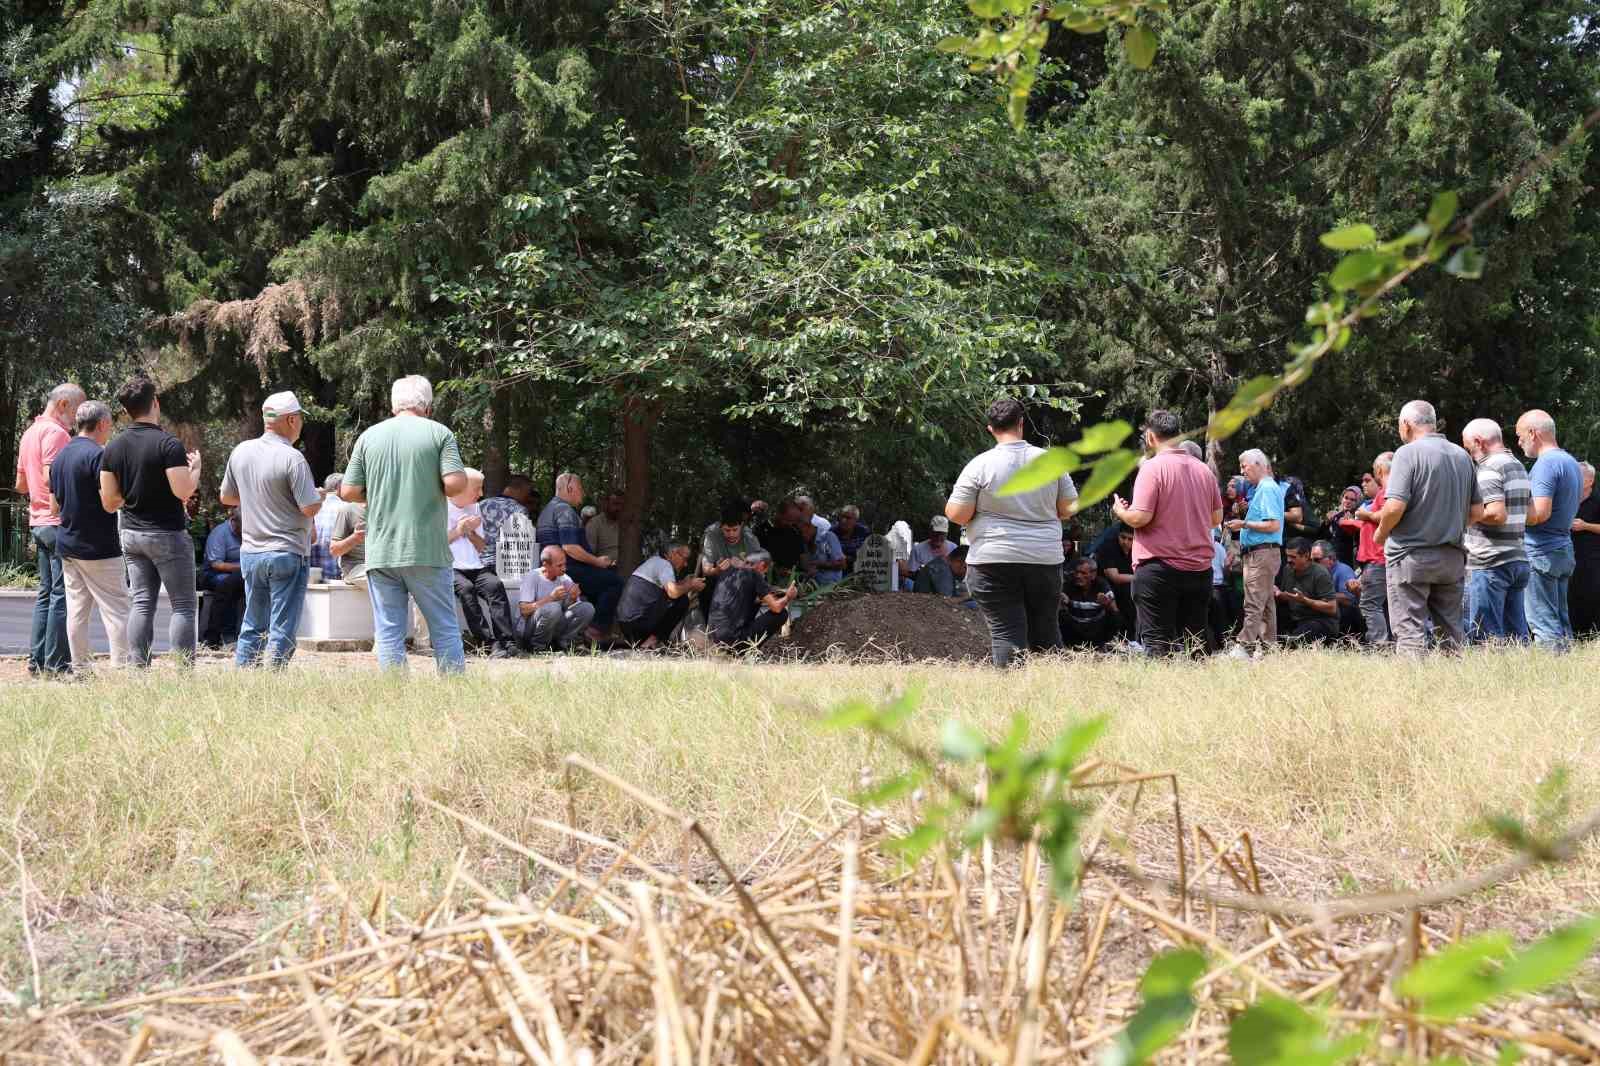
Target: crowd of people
<point>1437,546</point>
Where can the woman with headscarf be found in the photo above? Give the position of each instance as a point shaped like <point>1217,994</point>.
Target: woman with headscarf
<point>1344,528</point>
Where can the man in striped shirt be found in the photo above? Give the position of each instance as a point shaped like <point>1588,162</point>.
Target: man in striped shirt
<point>1497,561</point>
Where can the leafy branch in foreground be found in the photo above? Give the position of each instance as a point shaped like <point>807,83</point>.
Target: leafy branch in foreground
<point>1028,797</point>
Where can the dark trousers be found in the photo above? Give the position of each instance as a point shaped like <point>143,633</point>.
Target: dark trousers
<point>227,596</point>
<point>761,625</point>
<point>1583,600</point>
<point>1310,631</point>
<point>661,628</point>
<point>1076,633</point>
<point>493,626</point>
<point>1022,604</point>
<point>1173,606</point>
<point>600,587</point>
<point>1219,617</point>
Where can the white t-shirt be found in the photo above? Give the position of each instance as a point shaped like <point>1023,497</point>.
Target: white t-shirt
<point>463,555</point>
<point>822,524</point>
<point>922,553</point>
<point>535,586</point>
<point>1011,529</point>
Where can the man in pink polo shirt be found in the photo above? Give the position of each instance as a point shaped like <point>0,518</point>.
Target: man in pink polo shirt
<point>1176,504</point>
<point>48,654</point>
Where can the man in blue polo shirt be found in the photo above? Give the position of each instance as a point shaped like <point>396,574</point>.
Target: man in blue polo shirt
<point>561,526</point>
<point>1557,487</point>
<point>1261,543</point>
<point>87,541</point>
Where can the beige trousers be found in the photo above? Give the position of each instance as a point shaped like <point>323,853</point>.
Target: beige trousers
<point>1260,606</point>
<point>102,583</point>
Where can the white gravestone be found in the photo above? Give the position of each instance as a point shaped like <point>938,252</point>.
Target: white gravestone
<point>875,564</point>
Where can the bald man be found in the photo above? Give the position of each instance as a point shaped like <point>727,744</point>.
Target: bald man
<point>1557,488</point>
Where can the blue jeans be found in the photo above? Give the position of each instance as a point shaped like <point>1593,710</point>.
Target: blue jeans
<point>1548,616</point>
<point>274,593</point>
<point>433,587</point>
<point>156,560</point>
<point>48,652</point>
<point>1495,608</point>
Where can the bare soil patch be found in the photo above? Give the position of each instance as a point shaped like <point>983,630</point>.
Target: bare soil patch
<point>886,626</point>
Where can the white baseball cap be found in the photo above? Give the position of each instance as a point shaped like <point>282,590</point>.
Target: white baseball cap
<point>279,404</point>
<point>940,524</point>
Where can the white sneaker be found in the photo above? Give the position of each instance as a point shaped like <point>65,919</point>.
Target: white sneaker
<point>1238,651</point>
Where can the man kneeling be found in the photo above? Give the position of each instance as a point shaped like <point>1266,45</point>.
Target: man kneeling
<point>553,610</point>
<point>655,600</point>
<point>737,615</point>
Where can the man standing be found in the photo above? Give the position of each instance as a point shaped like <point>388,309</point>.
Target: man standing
<point>271,484</point>
<point>1583,591</point>
<point>560,525</point>
<point>552,607</point>
<point>222,579</point>
<point>1372,587</point>
<point>1176,503</point>
<point>1497,563</point>
<point>48,652</point>
<point>403,469</point>
<point>604,529</point>
<point>1556,484</point>
<point>1431,497</point>
<point>1306,590</point>
<point>1261,545</point>
<point>91,554</point>
<point>655,599</point>
<point>145,474</point>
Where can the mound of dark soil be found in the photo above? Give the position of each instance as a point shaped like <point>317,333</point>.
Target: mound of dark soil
<point>885,626</point>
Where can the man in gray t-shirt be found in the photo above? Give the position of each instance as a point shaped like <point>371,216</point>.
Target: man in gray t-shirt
<point>1431,498</point>
<point>271,484</point>
<point>1497,561</point>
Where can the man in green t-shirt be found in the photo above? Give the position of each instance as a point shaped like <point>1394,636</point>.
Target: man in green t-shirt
<point>403,470</point>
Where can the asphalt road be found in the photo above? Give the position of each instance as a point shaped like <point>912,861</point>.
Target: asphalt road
<point>16,625</point>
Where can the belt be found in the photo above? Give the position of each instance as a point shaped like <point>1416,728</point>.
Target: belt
<point>1259,547</point>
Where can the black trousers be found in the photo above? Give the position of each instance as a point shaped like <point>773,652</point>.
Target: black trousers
<point>1095,634</point>
<point>493,626</point>
<point>1022,604</point>
<point>1174,606</point>
<point>761,626</point>
<point>1220,617</point>
<point>1583,600</point>
<point>661,628</point>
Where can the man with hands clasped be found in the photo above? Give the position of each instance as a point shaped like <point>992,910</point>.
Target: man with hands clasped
<point>552,607</point>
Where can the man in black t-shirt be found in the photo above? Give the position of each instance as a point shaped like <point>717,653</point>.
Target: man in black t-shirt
<point>1115,560</point>
<point>1088,607</point>
<point>1583,591</point>
<point>145,474</point>
<point>1305,592</point>
<point>90,550</point>
<point>744,609</point>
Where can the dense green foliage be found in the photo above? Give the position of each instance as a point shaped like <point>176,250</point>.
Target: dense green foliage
<point>746,246</point>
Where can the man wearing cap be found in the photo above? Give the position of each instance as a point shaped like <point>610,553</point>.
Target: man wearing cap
<point>937,546</point>
<point>271,484</point>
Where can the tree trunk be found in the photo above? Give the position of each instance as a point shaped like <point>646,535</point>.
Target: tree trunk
<point>638,422</point>
<point>497,442</point>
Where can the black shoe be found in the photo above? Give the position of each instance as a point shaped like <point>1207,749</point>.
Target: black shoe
<point>502,651</point>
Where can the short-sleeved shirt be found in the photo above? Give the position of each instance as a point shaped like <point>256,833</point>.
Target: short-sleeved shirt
<point>922,553</point>
<point>644,596</point>
<point>1181,495</point>
<point>1367,549</point>
<point>40,445</point>
<point>272,481</point>
<point>1556,475</point>
<point>464,554</point>
<point>1439,484</point>
<point>88,531</point>
<point>495,511</point>
<point>1586,546</point>
<point>735,601</point>
<point>605,535</point>
<point>351,517</point>
<point>1082,604</point>
<point>1316,583</point>
<point>560,525</point>
<point>1266,505</point>
<point>223,545</point>
<point>851,542</point>
<point>140,457</point>
<point>1342,575</point>
<point>401,463</point>
<point>1501,477</point>
<point>1024,528</point>
<point>714,547</point>
<point>535,586</point>
<point>825,549</point>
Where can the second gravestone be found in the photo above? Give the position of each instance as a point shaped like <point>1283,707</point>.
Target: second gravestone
<point>875,564</point>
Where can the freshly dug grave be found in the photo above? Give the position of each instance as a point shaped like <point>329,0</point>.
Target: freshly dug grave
<point>885,626</point>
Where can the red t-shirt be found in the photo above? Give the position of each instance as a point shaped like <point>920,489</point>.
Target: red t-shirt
<point>1182,494</point>
<point>40,445</point>
<point>1367,551</point>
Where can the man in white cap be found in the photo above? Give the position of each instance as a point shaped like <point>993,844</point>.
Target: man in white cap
<point>271,484</point>
<point>937,546</point>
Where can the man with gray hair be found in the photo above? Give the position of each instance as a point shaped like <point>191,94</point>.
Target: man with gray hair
<point>322,557</point>
<point>561,525</point>
<point>1497,563</point>
<point>1583,592</point>
<point>1556,485</point>
<point>655,599</point>
<point>48,652</point>
<point>271,484</point>
<point>403,469</point>
<point>736,615</point>
<point>1261,548</point>
<point>1431,498</point>
<point>87,541</point>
